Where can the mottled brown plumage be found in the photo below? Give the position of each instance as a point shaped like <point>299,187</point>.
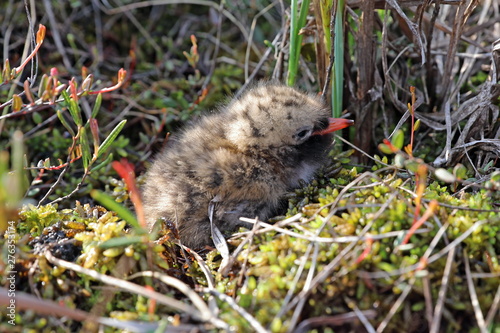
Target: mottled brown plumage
<point>244,158</point>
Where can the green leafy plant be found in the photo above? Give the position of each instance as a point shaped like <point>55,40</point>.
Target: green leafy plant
<point>63,98</point>
<point>80,148</point>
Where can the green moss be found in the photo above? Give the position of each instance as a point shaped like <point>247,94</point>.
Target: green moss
<point>33,220</point>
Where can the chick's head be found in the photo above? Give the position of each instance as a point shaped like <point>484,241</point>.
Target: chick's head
<point>273,116</point>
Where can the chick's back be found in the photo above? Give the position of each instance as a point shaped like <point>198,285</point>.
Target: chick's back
<point>200,166</point>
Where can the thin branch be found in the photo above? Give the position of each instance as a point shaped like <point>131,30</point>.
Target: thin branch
<point>131,287</point>
<point>494,309</point>
<point>396,305</point>
<point>259,65</point>
<point>438,310</point>
<point>307,284</point>
<point>61,175</point>
<point>197,301</point>
<point>473,295</point>
<point>333,17</point>
<point>250,37</point>
<point>231,302</point>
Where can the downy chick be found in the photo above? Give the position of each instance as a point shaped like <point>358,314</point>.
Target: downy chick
<point>243,159</point>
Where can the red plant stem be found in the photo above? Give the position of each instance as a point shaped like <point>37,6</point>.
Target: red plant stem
<point>121,80</point>
<point>412,111</point>
<point>35,50</point>
<point>152,302</point>
<point>420,178</point>
<point>366,251</point>
<point>428,213</point>
<point>63,165</point>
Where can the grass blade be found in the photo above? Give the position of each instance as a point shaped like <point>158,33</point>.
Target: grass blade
<point>338,66</point>
<point>296,23</point>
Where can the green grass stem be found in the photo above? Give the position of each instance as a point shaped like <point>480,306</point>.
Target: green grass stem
<point>296,23</point>
<point>338,66</point>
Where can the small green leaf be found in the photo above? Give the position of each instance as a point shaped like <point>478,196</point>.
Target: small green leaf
<point>144,138</point>
<point>268,43</point>
<point>384,148</point>
<point>460,171</point>
<point>17,103</point>
<point>419,306</point>
<point>86,154</point>
<point>416,126</point>
<point>386,266</point>
<point>411,166</point>
<point>65,123</point>
<point>109,203</point>
<point>111,137</point>
<point>487,166</point>
<point>97,105</point>
<point>46,163</point>
<point>75,111</point>
<point>6,70</point>
<point>103,164</point>
<point>398,139</point>
<point>37,118</point>
<point>73,107</point>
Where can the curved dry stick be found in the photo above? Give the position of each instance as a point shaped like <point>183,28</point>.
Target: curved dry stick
<point>25,301</point>
<point>131,287</point>
<point>187,291</point>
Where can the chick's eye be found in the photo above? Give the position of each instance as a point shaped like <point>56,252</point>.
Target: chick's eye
<point>302,134</point>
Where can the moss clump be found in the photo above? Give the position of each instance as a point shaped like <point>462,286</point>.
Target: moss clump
<point>371,274</point>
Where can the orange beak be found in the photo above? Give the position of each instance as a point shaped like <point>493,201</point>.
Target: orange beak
<point>335,124</point>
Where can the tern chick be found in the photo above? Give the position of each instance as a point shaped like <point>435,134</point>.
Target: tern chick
<point>242,160</point>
